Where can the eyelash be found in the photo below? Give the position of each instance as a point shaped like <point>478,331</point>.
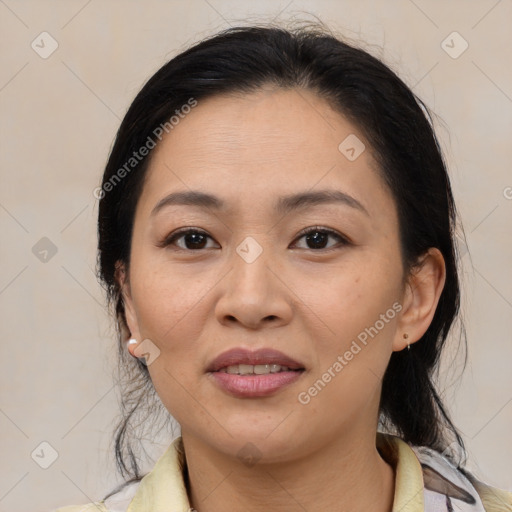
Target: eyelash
<point>170,239</point>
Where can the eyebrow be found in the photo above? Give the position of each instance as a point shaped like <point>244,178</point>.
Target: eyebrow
<point>284,204</point>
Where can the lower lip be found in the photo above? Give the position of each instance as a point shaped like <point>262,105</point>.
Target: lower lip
<point>246,386</point>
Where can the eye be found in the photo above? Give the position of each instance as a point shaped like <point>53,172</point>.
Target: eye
<point>318,237</point>
<point>193,239</point>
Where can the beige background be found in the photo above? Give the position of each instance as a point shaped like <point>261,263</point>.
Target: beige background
<point>59,117</point>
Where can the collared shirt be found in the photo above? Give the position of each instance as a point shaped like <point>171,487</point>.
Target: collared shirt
<point>425,481</point>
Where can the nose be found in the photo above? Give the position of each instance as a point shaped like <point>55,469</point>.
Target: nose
<point>253,295</point>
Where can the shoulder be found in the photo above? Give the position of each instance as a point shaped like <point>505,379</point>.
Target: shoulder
<point>493,498</point>
<point>97,506</point>
<point>458,484</point>
<point>164,483</point>
<point>116,502</point>
<point>445,486</point>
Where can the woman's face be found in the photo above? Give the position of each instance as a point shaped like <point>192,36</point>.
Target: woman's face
<point>252,278</point>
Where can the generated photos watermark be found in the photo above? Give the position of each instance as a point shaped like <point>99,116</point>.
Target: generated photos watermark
<point>145,149</point>
<point>341,361</point>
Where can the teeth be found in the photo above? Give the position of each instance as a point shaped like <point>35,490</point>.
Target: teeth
<point>257,369</point>
<point>244,369</point>
<point>261,369</point>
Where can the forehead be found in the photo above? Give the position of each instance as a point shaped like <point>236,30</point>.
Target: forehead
<point>259,145</point>
<point>264,126</point>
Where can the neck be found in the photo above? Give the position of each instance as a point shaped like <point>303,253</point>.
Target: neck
<point>348,474</point>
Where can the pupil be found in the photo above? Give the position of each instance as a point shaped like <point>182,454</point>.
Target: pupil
<point>317,238</point>
<point>195,239</point>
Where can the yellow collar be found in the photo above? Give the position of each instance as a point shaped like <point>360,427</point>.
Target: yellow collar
<point>409,484</point>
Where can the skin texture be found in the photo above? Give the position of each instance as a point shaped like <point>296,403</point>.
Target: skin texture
<point>307,302</point>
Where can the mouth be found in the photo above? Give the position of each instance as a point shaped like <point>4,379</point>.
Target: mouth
<point>251,374</point>
<point>257,369</point>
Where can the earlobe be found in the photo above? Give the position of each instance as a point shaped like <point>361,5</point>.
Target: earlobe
<point>131,345</point>
<point>423,290</point>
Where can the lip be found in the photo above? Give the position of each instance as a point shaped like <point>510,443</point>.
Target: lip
<point>253,357</point>
<point>254,386</point>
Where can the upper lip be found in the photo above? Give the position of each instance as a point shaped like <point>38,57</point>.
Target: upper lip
<point>244,356</point>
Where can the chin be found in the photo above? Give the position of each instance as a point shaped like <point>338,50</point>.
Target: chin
<point>259,437</point>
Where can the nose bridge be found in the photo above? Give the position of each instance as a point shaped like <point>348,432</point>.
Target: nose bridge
<point>250,267</point>
<point>252,293</point>
<point>250,250</point>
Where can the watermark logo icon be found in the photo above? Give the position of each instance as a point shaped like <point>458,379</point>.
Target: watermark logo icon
<point>462,246</point>
<point>454,45</point>
<point>148,350</point>
<point>44,455</point>
<point>453,452</point>
<point>44,250</point>
<point>44,45</point>
<point>249,454</point>
<point>249,250</point>
<point>351,147</point>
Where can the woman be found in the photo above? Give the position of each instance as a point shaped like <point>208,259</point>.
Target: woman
<point>276,232</point>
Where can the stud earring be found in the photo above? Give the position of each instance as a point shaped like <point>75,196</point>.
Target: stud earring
<point>133,341</point>
<point>405,337</point>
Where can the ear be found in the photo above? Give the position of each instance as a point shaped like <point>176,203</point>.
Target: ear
<point>423,289</point>
<point>122,278</point>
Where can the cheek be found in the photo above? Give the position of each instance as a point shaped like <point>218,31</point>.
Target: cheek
<point>356,304</point>
<point>353,355</point>
<point>171,314</point>
<point>169,305</point>
<point>355,295</point>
